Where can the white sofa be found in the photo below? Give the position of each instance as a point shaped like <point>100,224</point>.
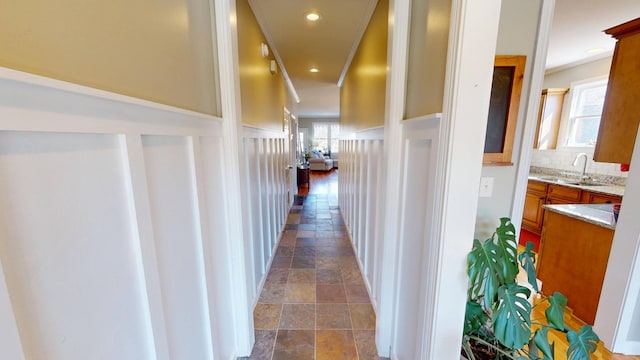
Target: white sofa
<point>317,162</point>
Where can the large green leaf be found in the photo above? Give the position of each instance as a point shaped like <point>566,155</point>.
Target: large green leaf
<point>528,262</point>
<point>555,311</point>
<point>505,237</point>
<point>541,339</point>
<point>474,317</point>
<point>583,344</point>
<point>512,317</point>
<point>483,276</point>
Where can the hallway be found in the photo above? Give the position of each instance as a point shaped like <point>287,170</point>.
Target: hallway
<point>314,304</point>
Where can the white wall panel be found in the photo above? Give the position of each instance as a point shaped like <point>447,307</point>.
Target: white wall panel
<point>71,265</point>
<point>178,243</point>
<point>358,194</point>
<point>265,196</point>
<point>115,228</point>
<point>217,246</point>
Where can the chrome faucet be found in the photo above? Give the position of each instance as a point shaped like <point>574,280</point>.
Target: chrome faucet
<point>584,165</point>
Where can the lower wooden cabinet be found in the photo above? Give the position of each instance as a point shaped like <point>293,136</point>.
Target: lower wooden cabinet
<point>533,213</point>
<point>540,193</point>
<point>572,260</point>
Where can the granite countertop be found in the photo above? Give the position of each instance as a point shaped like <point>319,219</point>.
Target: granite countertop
<point>597,214</point>
<point>608,189</point>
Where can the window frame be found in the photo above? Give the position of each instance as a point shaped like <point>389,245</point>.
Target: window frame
<point>566,122</point>
<point>330,136</point>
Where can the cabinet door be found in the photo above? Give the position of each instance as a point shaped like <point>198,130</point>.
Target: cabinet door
<point>533,214</point>
<point>621,112</point>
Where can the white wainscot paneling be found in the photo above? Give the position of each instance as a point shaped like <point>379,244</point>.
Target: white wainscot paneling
<point>417,246</point>
<point>359,198</point>
<point>178,245</point>
<point>265,190</point>
<point>217,245</point>
<point>70,261</point>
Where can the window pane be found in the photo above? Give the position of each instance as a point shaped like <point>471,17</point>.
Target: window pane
<point>590,101</point>
<point>584,131</point>
<point>334,145</point>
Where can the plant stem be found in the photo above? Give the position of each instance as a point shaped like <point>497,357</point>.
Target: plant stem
<point>491,345</point>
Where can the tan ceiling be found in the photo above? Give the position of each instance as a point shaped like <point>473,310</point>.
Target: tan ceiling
<point>329,43</point>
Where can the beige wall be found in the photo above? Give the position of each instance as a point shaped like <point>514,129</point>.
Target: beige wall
<point>516,36</point>
<point>362,96</point>
<point>154,50</point>
<point>427,61</point>
<point>264,95</point>
<point>564,78</point>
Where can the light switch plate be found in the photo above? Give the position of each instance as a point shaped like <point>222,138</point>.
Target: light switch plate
<point>486,187</point>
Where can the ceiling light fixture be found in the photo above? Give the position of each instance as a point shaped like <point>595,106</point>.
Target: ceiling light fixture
<point>312,16</point>
<point>314,70</point>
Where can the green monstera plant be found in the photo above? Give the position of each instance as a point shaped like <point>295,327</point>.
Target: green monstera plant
<point>498,321</point>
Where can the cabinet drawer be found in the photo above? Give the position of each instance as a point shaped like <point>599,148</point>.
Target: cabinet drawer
<point>589,197</point>
<point>564,193</point>
<point>537,186</point>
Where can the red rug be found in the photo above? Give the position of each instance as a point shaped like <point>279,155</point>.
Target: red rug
<point>526,236</point>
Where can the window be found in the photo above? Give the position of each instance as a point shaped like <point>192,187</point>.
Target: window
<point>584,117</point>
<point>326,136</point>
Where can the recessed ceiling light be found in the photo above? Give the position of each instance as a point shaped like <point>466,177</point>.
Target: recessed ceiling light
<point>314,70</point>
<point>595,50</point>
<point>312,16</point>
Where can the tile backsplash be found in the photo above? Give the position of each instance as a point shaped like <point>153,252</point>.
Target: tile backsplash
<point>562,160</point>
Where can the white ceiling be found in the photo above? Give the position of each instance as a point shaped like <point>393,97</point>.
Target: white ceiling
<point>329,43</point>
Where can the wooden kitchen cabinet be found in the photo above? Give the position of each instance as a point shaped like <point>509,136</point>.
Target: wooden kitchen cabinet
<point>549,118</point>
<point>572,260</point>
<point>540,193</point>
<point>533,214</point>
<point>621,112</point>
<point>589,197</point>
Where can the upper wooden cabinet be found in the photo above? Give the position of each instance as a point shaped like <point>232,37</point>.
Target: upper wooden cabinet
<point>549,118</point>
<point>621,112</point>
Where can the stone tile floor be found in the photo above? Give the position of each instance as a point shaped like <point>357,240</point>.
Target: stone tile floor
<point>314,303</point>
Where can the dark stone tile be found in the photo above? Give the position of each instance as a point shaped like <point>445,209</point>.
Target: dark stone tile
<point>333,316</point>
<point>362,316</point>
<point>357,294</point>
<point>295,345</point>
<point>272,293</point>
<point>352,276</point>
<point>291,227</point>
<point>263,348</point>
<point>348,262</point>
<point>298,316</point>
<point>366,344</point>
<point>327,262</point>
<point>311,227</point>
<point>305,242</point>
<point>280,262</point>
<point>324,234</point>
<point>267,316</point>
<point>306,234</point>
<point>303,262</point>
<point>328,276</point>
<point>305,251</point>
<point>335,344</point>
<point>300,293</point>
<point>326,242</point>
<point>345,251</point>
<point>295,211</point>
<point>302,276</point>
<point>326,251</point>
<point>277,275</point>
<point>284,251</point>
<point>330,294</point>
